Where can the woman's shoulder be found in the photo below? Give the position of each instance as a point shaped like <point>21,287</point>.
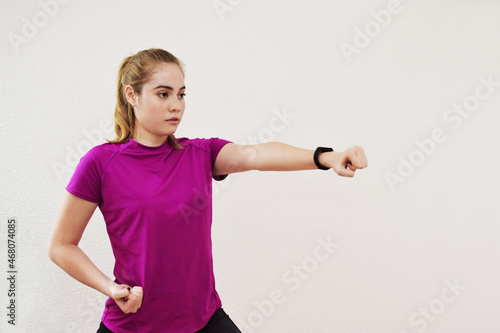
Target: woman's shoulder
<point>105,150</point>
<point>202,143</point>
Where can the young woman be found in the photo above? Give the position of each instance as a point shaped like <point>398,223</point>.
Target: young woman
<point>148,185</point>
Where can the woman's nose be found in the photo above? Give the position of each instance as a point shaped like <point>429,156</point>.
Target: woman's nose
<point>176,106</point>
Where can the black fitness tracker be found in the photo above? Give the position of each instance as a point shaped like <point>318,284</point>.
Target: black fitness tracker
<point>318,151</point>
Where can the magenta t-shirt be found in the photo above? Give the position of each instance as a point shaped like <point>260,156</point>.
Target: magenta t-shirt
<point>157,205</point>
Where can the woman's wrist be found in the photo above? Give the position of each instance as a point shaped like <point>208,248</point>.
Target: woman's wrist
<point>325,158</point>
<point>110,286</point>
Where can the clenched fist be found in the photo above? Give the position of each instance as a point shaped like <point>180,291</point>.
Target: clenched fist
<point>345,163</point>
<point>128,299</point>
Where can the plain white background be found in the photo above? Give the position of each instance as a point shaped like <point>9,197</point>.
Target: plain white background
<point>399,247</point>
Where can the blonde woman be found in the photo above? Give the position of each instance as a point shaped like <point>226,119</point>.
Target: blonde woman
<point>147,184</point>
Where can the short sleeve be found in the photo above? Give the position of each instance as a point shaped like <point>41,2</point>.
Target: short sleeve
<point>216,146</point>
<point>86,180</point>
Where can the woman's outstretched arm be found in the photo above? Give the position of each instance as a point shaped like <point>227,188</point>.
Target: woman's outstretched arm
<point>277,156</point>
<point>65,252</point>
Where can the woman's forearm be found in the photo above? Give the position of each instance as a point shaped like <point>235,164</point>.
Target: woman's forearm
<point>278,156</point>
<point>78,265</point>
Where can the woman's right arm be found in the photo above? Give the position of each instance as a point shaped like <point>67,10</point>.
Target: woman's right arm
<point>65,252</point>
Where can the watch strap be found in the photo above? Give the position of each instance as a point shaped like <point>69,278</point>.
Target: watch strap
<point>318,151</point>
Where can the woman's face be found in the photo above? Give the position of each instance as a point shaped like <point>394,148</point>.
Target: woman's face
<point>160,101</point>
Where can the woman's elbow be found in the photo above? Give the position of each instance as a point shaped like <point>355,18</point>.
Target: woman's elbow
<point>54,248</point>
<point>52,251</point>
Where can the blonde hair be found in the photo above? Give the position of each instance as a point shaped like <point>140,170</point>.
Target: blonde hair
<point>136,70</point>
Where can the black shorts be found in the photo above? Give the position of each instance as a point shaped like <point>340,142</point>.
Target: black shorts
<point>218,323</point>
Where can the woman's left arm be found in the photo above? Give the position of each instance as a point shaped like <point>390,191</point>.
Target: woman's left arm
<point>277,156</point>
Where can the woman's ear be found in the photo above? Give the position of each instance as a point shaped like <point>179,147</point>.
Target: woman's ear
<point>130,95</point>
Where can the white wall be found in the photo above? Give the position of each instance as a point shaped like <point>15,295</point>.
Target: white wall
<point>399,246</point>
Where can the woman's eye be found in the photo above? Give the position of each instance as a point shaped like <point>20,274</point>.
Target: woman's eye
<point>182,95</point>
<point>160,94</point>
